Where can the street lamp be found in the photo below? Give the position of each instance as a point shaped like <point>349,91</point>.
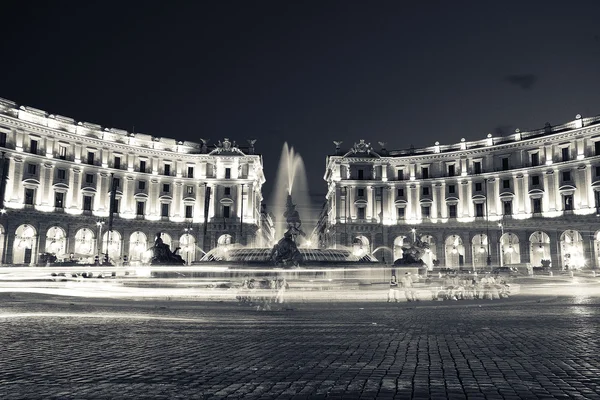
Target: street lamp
<point>99,224</point>
<point>188,232</point>
<point>414,232</point>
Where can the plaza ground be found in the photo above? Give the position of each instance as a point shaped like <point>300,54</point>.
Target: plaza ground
<point>543,343</point>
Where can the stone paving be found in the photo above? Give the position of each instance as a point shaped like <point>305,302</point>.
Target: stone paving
<point>67,348</point>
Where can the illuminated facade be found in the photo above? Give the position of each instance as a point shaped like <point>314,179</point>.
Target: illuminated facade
<point>58,176</point>
<point>526,197</point>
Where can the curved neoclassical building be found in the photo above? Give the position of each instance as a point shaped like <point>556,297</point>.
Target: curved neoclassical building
<point>59,177</point>
<point>526,197</point>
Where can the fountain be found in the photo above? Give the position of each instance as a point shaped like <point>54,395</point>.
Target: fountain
<point>293,249</point>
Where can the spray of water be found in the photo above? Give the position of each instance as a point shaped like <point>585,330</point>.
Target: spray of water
<point>291,179</point>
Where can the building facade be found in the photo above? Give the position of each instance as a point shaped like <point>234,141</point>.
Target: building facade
<point>523,198</point>
<point>61,180</point>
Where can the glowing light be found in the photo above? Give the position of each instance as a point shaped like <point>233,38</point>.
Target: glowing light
<point>481,249</point>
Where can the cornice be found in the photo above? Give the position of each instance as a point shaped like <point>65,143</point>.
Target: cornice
<point>71,137</point>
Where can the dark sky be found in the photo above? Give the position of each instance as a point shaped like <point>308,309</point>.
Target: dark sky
<point>306,72</point>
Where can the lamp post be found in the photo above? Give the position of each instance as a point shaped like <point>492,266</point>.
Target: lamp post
<point>99,224</point>
<point>187,231</point>
<point>487,225</point>
<point>414,233</point>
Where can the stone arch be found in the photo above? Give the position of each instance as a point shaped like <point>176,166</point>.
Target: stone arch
<point>24,247</point>
<point>539,248</point>
<point>361,246</point>
<point>138,248</point>
<point>510,252</point>
<point>455,251</point>
<point>480,250</point>
<point>187,243</point>
<point>85,243</point>
<point>111,244</point>
<point>571,250</point>
<point>56,241</point>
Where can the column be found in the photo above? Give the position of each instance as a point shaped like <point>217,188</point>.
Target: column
<point>525,194</point>
<point>499,210</point>
<point>98,200</point>
<point>16,177</point>
<point>558,204</point>
<point>350,205</point>
<point>249,208</point>
<point>177,200</point>
<point>519,194</point>
<point>581,194</point>
<point>75,189</point>
<point>469,196</point>
<point>463,200</point>
<point>589,192</point>
<point>103,189</point>
<point>127,206</point>
<point>369,210</point>
<point>45,175</point>
<point>442,208</point>
<point>48,192</point>
<point>153,202</point>
<point>77,153</point>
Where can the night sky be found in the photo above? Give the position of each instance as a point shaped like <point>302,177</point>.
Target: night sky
<point>306,72</point>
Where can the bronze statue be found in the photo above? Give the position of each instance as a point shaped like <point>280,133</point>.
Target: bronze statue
<point>162,254</point>
<point>286,251</point>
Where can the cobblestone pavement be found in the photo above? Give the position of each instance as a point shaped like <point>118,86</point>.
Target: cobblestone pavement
<point>75,349</point>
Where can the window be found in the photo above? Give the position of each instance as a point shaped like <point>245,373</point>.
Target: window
<point>116,206</point>
<point>565,153</point>
<point>226,211</point>
<point>29,196</point>
<point>597,148</point>
<point>598,171</point>
<point>535,159</point>
<point>476,167</point>
<point>87,203</point>
<point>190,173</point>
<point>33,146</point>
<point>400,174</point>
<point>361,192</point>
<point>401,192</point>
<point>536,205</point>
<point>425,172</point>
<point>142,185</point>
<point>361,174</point>
<point>451,170</point>
<point>227,173</point>
<point>535,180</point>
<point>452,210</point>
<point>426,191</point>
<point>117,163</point>
<point>506,183</point>
<point>190,190</point>
<point>62,174</point>
<point>568,202</point>
<point>3,139</point>
<point>507,207</point>
<point>479,210</point>
<point>90,158</point>
<point>166,187</point>
<point>116,183</point>
<point>189,211</point>
<point>478,187</point>
<point>504,163</point>
<point>566,176</point>
<point>164,210</point>
<point>361,213</point>
<point>62,152</point>
<point>400,212</point>
<point>167,169</point>
<point>59,198</point>
<point>425,211</point>
<point>227,191</point>
<point>89,178</point>
<point>142,166</point>
<point>451,189</point>
<point>139,208</point>
<point>31,169</point>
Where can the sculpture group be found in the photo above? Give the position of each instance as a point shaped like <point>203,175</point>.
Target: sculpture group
<point>286,252</point>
